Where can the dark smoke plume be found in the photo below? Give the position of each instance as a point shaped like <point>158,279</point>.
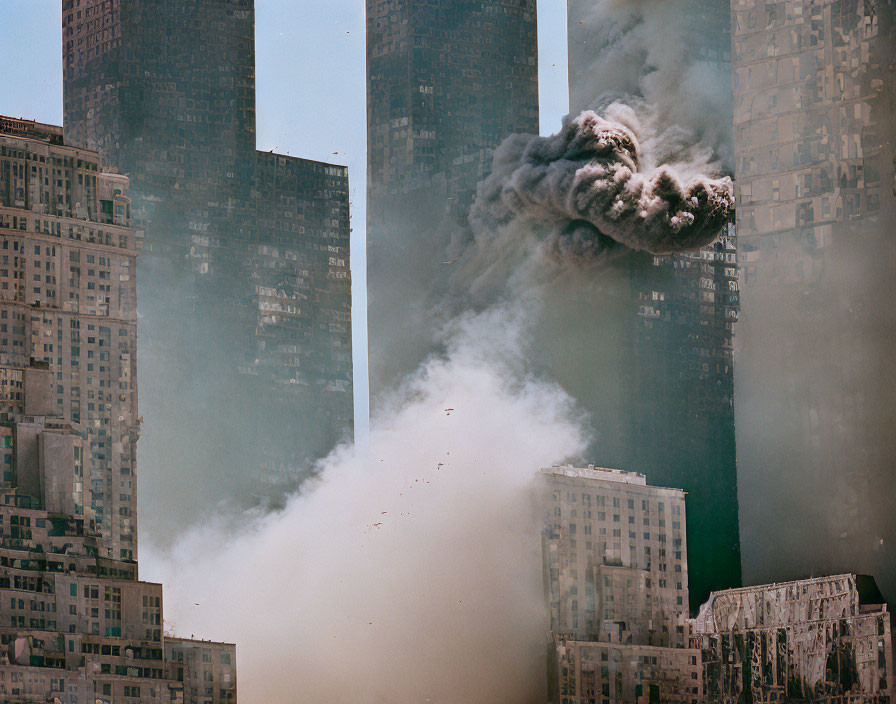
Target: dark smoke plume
<point>594,185</point>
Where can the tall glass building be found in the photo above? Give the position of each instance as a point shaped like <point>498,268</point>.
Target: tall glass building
<point>447,82</point>
<point>246,299</point>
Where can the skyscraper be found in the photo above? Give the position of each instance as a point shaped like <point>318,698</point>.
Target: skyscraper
<point>447,82</point>
<point>71,339</point>
<point>662,331</point>
<point>75,623</point>
<point>166,91</point>
<point>815,92</point>
<point>246,255</point>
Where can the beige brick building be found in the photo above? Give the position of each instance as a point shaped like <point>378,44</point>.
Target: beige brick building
<point>616,557</point>
<point>595,673</point>
<point>616,576</point>
<point>75,624</point>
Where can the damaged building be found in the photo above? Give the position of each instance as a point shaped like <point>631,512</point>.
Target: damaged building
<point>667,328</point>
<point>826,639</point>
<point>615,569</point>
<point>76,625</point>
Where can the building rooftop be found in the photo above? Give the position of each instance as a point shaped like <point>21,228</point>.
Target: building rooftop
<point>601,473</point>
<point>865,585</point>
<point>31,128</point>
<point>275,155</point>
<point>605,474</point>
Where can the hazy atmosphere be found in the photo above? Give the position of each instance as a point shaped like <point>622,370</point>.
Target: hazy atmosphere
<point>685,274</point>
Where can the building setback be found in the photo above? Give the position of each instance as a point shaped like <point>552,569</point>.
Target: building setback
<point>245,266</point>
<point>616,576</point>
<point>662,328</point>
<point>69,309</point>
<point>447,82</point>
<point>815,93</point>
<point>615,571</point>
<point>75,624</point>
<point>826,639</point>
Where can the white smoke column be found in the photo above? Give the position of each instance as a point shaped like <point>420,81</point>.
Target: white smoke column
<point>411,570</point>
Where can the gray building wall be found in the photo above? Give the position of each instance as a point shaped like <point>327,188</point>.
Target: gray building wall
<point>815,91</point>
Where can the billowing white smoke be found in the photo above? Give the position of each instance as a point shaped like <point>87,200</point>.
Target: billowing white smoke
<point>410,571</point>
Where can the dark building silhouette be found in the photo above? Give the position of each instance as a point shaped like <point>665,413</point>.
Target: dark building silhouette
<point>447,82</point>
<point>246,298</point>
<point>659,382</point>
<point>166,92</point>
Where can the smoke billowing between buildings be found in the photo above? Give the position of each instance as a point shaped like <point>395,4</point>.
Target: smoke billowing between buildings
<point>380,544</point>
<point>410,569</point>
<point>534,300</point>
<point>592,176</point>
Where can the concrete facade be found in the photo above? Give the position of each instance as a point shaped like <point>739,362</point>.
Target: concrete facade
<point>826,639</point>
<point>615,568</point>
<point>616,557</point>
<point>604,673</point>
<point>68,320</point>
<point>76,627</point>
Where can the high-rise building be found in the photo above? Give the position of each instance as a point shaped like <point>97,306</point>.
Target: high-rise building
<point>660,330</point>
<point>75,624</point>
<point>815,94</point>
<point>68,296</point>
<point>165,91</point>
<point>245,264</point>
<point>447,82</point>
<point>826,639</point>
<point>616,576</point>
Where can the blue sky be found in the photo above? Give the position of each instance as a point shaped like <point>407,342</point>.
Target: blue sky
<point>310,88</point>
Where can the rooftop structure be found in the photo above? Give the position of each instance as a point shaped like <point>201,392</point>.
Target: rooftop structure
<point>598,473</point>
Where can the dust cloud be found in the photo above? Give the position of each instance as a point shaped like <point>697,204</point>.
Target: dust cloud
<point>408,570</point>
